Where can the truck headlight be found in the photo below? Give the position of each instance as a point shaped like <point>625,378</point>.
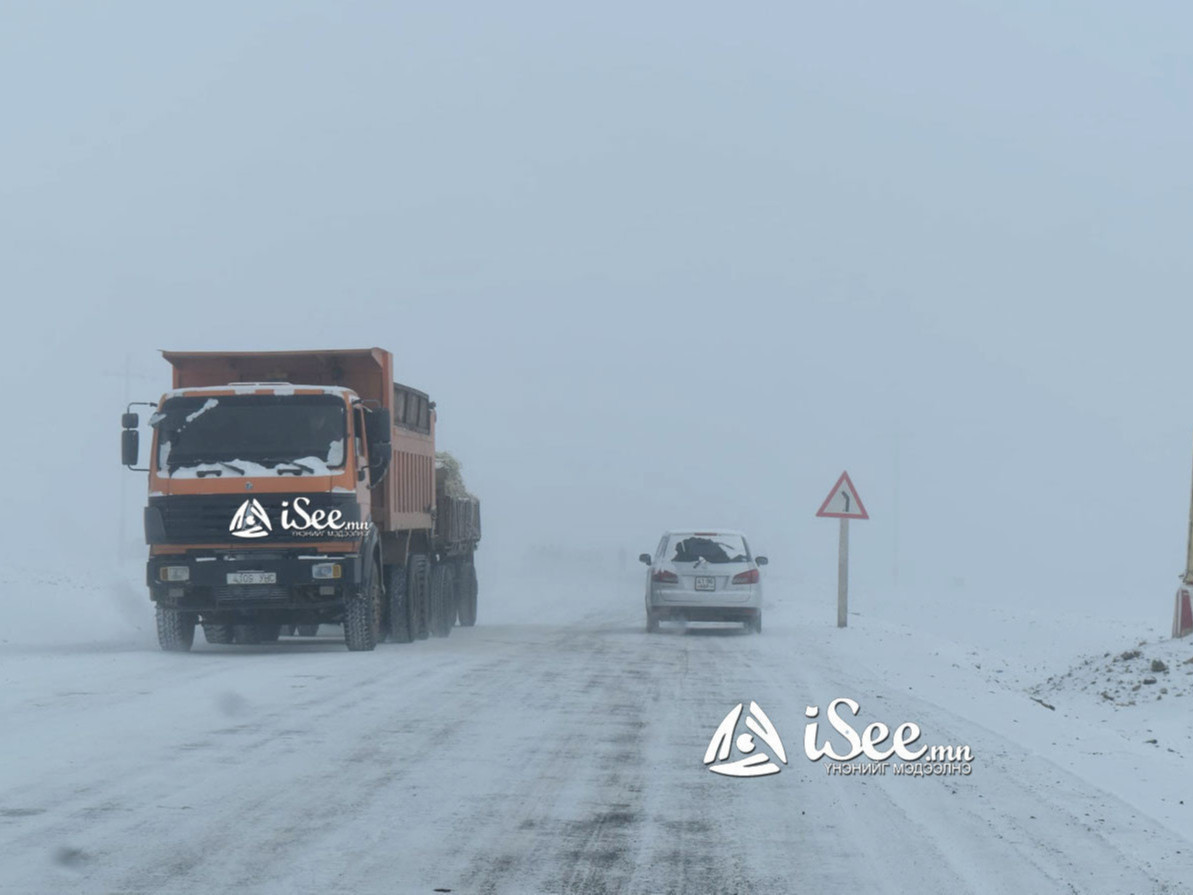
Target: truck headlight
<point>175,573</point>
<point>326,570</point>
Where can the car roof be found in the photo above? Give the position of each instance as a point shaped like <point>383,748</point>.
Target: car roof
<point>703,531</point>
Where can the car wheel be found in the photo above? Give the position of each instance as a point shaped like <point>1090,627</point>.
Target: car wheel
<point>652,622</point>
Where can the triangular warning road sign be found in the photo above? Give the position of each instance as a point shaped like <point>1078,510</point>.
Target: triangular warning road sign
<point>843,501</point>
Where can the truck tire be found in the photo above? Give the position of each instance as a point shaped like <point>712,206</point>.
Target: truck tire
<point>362,613</point>
<point>175,629</point>
<point>443,603</point>
<point>214,633</point>
<point>399,606</point>
<point>308,630</point>
<point>466,593</point>
<point>418,594</point>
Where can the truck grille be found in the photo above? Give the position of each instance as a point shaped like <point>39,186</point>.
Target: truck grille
<point>206,518</point>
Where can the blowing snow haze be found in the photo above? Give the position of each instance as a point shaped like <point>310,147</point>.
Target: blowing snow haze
<point>658,267</point>
<point>662,268</point>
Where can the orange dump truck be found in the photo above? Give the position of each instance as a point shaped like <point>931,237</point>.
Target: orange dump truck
<point>291,489</point>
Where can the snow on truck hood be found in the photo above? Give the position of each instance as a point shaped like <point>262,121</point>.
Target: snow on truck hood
<point>255,470</point>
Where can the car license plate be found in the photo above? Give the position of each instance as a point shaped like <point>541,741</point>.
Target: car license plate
<point>706,582</point>
<point>252,577</point>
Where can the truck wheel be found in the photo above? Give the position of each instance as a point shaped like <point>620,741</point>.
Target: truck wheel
<point>418,593</point>
<point>268,633</point>
<point>443,604</point>
<point>362,614</point>
<point>175,629</point>
<point>399,606</point>
<point>308,630</point>
<point>218,633</point>
<point>466,594</point>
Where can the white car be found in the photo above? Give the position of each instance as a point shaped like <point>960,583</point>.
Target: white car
<point>703,576</point>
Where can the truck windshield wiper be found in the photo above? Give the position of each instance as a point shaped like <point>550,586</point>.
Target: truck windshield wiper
<point>195,461</point>
<point>275,462</point>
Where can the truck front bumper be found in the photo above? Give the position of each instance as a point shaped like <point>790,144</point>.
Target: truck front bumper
<point>295,579</point>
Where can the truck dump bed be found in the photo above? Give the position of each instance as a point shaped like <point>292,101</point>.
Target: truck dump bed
<point>367,371</point>
<point>458,517</point>
<point>457,523</point>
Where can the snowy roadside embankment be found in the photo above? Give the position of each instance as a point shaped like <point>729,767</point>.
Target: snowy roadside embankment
<point>1107,698</point>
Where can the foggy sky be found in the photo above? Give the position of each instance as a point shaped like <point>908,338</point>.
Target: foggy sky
<point>658,266</point>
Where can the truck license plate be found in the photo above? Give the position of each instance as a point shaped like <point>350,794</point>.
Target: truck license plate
<point>252,577</point>
<point>706,582</point>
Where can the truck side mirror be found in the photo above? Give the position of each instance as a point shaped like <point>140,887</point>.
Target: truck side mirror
<point>379,457</point>
<point>129,420</point>
<point>130,445</point>
<point>378,426</point>
<point>378,432</point>
<point>644,558</point>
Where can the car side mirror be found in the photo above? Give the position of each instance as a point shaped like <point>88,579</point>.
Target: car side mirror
<point>644,558</point>
<point>761,560</point>
<point>130,445</point>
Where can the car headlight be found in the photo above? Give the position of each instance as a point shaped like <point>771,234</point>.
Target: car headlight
<point>175,573</point>
<point>323,570</point>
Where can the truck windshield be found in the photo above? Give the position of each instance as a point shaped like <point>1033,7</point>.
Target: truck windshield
<point>244,434</point>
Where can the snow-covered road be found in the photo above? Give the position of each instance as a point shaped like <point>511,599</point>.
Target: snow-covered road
<point>558,757</point>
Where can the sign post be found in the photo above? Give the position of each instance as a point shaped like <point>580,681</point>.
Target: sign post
<point>843,503</point>
<point>1188,577</point>
<point>843,574</point>
<point>1182,613</point>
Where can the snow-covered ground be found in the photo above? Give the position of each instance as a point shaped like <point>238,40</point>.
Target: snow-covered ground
<point>556,747</point>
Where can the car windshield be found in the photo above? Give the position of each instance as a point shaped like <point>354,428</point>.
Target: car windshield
<point>711,548</point>
<point>264,429</point>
